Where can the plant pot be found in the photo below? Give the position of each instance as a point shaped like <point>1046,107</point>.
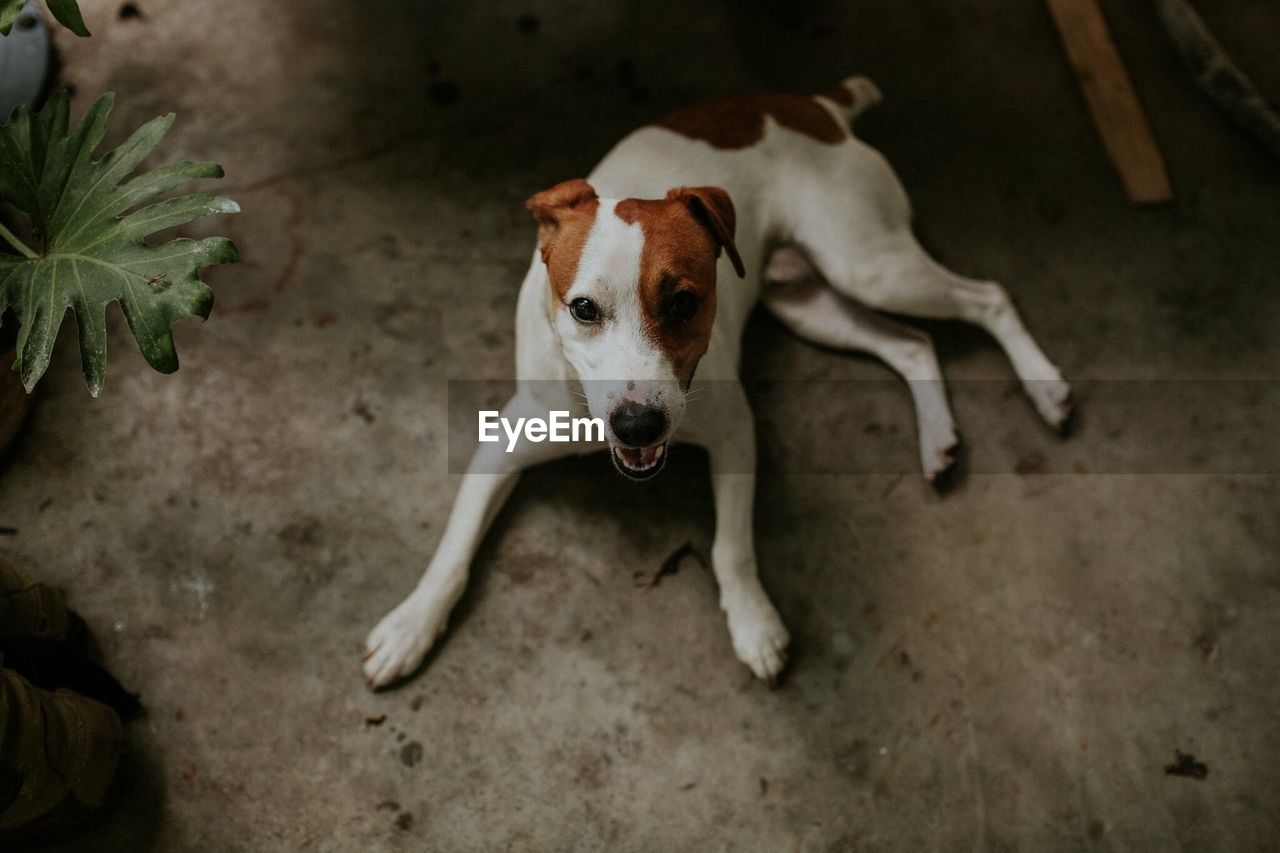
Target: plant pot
<point>14,400</point>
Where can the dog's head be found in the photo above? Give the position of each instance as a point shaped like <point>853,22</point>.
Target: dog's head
<point>633,287</point>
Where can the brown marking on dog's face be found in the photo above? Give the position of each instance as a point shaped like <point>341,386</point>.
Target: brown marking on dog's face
<point>738,122</point>
<point>565,214</point>
<point>683,236</point>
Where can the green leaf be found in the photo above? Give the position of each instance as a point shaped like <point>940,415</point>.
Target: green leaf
<point>9,10</point>
<point>94,225</point>
<point>66,11</point>
<point>68,14</point>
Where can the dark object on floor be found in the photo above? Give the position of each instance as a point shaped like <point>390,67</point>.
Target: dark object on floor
<point>59,744</point>
<point>59,757</point>
<point>669,566</point>
<point>445,93</point>
<point>30,609</point>
<point>1218,76</point>
<point>51,665</point>
<point>1185,764</point>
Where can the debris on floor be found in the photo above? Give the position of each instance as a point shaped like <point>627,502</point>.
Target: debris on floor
<point>1185,764</point>
<point>671,565</point>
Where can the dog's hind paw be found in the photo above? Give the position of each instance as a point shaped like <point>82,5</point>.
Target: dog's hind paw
<point>938,454</point>
<point>400,642</point>
<point>1052,399</point>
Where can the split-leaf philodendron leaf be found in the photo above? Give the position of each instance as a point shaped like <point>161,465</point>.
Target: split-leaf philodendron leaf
<point>66,11</point>
<point>94,229</point>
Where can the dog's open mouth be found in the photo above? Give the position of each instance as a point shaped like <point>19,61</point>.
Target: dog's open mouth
<point>640,463</point>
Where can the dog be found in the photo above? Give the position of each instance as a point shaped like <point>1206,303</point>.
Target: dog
<point>645,274</point>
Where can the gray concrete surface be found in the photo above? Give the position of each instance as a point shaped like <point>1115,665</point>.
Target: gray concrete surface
<point>1007,666</point>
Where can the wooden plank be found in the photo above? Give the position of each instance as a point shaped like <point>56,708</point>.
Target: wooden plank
<point>1112,102</point>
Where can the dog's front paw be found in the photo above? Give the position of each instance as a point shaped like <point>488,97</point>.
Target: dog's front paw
<point>401,640</point>
<point>759,638</point>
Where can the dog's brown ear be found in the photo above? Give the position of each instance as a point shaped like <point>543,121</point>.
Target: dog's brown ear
<point>714,209</point>
<point>549,208</point>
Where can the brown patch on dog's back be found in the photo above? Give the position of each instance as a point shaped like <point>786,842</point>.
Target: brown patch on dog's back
<point>565,215</point>
<point>738,122</point>
<point>683,236</point>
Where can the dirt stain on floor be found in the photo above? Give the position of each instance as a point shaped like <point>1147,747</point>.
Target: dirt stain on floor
<point>411,753</point>
<point>1185,764</point>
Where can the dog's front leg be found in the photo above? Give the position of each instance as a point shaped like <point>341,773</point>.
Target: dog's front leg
<point>398,644</point>
<point>759,637</point>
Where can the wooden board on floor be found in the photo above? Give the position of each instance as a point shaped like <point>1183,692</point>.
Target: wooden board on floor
<point>1111,99</point>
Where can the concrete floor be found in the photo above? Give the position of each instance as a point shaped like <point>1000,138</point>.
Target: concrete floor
<point>1010,665</point>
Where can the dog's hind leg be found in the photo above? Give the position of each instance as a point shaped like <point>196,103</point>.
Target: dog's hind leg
<point>897,275</point>
<point>400,642</point>
<point>854,220</point>
<point>797,297</point>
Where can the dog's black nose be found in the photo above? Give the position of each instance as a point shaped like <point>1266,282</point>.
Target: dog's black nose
<point>636,425</point>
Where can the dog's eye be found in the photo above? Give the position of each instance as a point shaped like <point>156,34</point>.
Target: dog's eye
<point>682,307</point>
<point>584,310</point>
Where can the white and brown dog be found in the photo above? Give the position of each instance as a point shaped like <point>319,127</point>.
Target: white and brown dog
<point>620,307</point>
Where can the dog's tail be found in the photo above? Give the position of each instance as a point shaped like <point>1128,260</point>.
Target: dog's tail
<point>853,95</point>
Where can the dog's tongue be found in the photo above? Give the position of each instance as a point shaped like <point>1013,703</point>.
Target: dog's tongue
<point>641,457</point>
